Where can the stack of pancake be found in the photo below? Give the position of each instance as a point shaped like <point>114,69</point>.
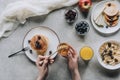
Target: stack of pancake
<point>111,14</point>
<point>39,43</point>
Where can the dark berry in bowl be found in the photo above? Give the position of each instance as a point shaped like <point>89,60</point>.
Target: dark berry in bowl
<point>70,15</point>
<point>37,45</point>
<point>39,37</point>
<point>82,28</point>
<point>29,41</point>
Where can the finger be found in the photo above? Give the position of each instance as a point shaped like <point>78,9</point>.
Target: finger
<point>50,58</point>
<point>45,62</point>
<point>46,57</point>
<point>41,63</point>
<point>71,53</point>
<point>69,56</point>
<point>74,54</point>
<point>72,49</point>
<point>37,64</point>
<point>37,61</point>
<point>41,58</point>
<point>52,61</point>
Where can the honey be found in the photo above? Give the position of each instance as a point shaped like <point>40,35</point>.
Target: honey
<point>86,53</point>
<point>63,49</point>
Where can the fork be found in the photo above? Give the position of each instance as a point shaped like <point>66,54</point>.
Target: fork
<point>22,50</point>
<point>41,62</point>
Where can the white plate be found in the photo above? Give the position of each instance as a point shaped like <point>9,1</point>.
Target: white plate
<point>96,10</point>
<point>109,67</point>
<point>53,41</point>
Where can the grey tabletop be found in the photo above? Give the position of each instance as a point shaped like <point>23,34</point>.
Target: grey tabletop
<point>20,67</point>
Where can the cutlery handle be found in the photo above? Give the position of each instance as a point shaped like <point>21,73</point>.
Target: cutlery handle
<point>52,54</point>
<point>14,54</point>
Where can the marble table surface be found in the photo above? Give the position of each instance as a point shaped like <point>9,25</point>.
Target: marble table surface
<point>20,67</point>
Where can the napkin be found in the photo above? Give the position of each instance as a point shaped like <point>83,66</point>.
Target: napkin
<point>17,12</point>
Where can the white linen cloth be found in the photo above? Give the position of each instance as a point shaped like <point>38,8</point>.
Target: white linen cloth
<point>17,12</point>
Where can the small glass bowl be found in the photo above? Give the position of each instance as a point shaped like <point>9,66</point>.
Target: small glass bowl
<point>82,28</point>
<point>71,15</point>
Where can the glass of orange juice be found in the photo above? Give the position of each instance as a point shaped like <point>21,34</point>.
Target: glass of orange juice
<point>86,53</point>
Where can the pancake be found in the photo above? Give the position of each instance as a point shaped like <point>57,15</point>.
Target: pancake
<point>39,44</point>
<point>111,14</point>
<point>111,9</point>
<point>111,23</point>
<point>113,18</point>
<point>99,20</point>
<point>108,16</point>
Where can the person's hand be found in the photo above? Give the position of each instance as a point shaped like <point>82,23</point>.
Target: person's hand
<point>72,59</point>
<point>42,64</point>
<point>73,64</point>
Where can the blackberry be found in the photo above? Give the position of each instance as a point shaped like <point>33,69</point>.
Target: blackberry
<point>50,52</point>
<point>30,51</point>
<point>70,15</point>
<point>108,62</point>
<point>39,37</point>
<point>109,44</point>
<point>29,41</point>
<point>112,57</point>
<point>37,45</point>
<point>116,60</point>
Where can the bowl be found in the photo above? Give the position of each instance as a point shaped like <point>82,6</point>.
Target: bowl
<point>108,59</point>
<point>63,49</point>
<point>71,15</point>
<point>82,28</point>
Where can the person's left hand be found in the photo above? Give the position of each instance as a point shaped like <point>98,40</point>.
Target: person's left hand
<point>42,64</point>
<point>72,59</point>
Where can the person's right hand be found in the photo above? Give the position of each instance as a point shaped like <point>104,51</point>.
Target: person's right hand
<point>42,64</point>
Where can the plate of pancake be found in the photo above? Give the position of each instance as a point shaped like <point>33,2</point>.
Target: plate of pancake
<point>105,17</point>
<point>41,41</point>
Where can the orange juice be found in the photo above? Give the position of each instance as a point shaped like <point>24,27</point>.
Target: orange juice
<point>86,53</point>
